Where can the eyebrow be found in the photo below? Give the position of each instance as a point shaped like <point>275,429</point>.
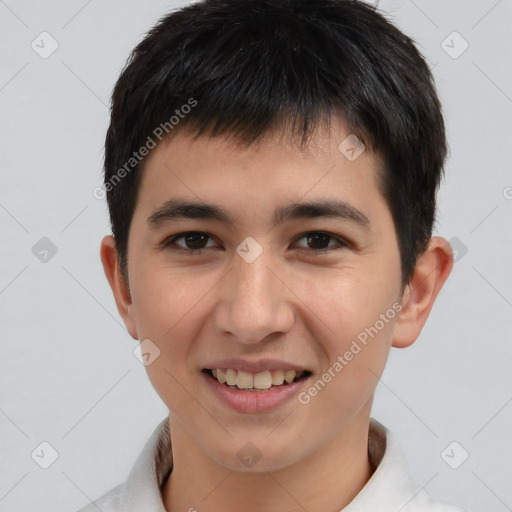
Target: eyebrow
<point>178,209</point>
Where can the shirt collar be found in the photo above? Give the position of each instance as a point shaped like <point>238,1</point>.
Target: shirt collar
<point>389,488</point>
<point>149,472</point>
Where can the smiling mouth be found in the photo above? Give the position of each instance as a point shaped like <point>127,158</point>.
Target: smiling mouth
<point>256,382</point>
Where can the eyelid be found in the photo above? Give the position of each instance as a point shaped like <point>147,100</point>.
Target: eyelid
<point>167,242</point>
<point>343,243</point>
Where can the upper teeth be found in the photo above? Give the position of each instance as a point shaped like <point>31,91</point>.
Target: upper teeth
<point>261,380</point>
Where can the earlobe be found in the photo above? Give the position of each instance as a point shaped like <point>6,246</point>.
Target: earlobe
<point>432,270</point>
<point>122,295</point>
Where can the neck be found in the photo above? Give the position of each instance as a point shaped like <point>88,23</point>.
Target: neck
<point>327,480</point>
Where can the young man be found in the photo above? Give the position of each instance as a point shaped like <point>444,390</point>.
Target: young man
<point>271,170</point>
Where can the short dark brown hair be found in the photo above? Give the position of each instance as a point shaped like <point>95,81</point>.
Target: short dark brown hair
<point>243,67</point>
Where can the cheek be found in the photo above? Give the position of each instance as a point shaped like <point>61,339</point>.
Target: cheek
<point>166,307</point>
<point>347,383</point>
<point>352,320</point>
<point>164,299</point>
<point>345,306</point>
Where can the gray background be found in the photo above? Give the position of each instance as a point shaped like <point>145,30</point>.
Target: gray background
<point>68,373</point>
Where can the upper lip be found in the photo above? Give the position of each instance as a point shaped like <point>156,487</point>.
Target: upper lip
<point>255,366</point>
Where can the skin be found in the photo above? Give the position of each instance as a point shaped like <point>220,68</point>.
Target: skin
<point>290,304</point>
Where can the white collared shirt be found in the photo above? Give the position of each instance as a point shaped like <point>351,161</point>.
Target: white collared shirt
<point>390,488</point>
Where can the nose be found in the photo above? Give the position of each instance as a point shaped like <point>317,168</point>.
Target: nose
<point>254,302</point>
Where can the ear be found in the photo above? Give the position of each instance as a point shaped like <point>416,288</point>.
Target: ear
<point>122,296</point>
<point>432,270</point>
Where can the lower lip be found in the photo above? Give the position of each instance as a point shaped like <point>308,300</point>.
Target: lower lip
<point>254,401</point>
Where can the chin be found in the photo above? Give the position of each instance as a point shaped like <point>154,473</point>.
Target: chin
<point>254,456</point>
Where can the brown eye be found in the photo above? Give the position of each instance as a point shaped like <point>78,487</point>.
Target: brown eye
<point>319,242</point>
<point>193,241</point>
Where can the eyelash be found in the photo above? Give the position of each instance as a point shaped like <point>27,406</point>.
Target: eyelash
<point>317,252</point>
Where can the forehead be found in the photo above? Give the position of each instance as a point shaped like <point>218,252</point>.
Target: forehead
<point>252,180</point>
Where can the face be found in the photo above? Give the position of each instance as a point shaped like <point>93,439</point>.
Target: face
<point>254,288</point>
